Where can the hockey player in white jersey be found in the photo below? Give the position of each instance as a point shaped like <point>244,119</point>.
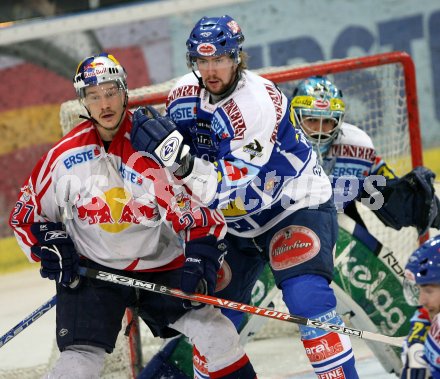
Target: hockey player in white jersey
<point>422,288</point>
<point>93,201</point>
<point>349,157</point>
<point>246,158</point>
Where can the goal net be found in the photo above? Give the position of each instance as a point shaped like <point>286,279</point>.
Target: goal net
<point>380,96</point>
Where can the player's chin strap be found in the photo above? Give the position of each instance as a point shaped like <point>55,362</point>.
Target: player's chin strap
<point>246,308</point>
<point>199,79</point>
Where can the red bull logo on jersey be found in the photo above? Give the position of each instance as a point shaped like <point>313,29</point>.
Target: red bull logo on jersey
<point>27,192</point>
<point>292,246</point>
<point>116,210</point>
<point>95,211</point>
<point>181,203</point>
<point>135,213</point>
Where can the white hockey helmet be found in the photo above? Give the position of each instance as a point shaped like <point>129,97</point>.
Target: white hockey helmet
<point>99,69</point>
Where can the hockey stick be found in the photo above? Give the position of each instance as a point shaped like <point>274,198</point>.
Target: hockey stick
<point>35,315</point>
<point>246,308</point>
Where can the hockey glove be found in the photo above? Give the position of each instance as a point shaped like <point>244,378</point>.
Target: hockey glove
<point>158,136</point>
<point>415,366</point>
<point>59,259</point>
<point>410,201</point>
<point>204,256</point>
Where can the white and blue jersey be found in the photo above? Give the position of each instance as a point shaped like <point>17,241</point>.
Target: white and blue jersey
<point>266,168</point>
<point>432,348</point>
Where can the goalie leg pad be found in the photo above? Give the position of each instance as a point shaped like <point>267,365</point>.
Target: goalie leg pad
<point>329,353</point>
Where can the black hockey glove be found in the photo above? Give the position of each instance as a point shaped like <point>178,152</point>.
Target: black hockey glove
<point>158,136</point>
<point>411,201</point>
<point>59,259</point>
<point>204,256</point>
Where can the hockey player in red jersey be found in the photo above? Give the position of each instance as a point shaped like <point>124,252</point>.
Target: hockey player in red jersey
<point>247,159</point>
<point>93,201</point>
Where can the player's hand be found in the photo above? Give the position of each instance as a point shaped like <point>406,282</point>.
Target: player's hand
<point>157,136</point>
<point>55,249</point>
<point>415,366</point>
<point>204,257</point>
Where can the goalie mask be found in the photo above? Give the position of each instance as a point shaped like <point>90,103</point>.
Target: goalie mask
<point>423,267</point>
<point>318,109</point>
<point>99,69</point>
<point>214,36</point>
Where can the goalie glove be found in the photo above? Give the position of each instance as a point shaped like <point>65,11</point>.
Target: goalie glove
<point>410,201</point>
<point>55,249</point>
<point>158,136</point>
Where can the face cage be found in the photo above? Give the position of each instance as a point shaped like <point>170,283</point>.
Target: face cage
<point>319,138</point>
<point>411,292</point>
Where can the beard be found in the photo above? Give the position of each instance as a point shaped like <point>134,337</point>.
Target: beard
<point>220,87</point>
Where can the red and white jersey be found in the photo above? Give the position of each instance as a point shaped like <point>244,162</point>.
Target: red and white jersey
<point>120,209</point>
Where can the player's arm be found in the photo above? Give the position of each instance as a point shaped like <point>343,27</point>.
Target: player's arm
<point>35,220</point>
<point>35,204</point>
<point>159,138</point>
<point>202,231</point>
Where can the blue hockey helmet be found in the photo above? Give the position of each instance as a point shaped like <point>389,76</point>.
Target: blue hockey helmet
<point>318,98</point>
<point>98,69</point>
<point>214,36</point>
<point>423,267</point>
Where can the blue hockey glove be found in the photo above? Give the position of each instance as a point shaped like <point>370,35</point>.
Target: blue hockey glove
<point>204,256</point>
<point>59,259</point>
<point>158,136</point>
